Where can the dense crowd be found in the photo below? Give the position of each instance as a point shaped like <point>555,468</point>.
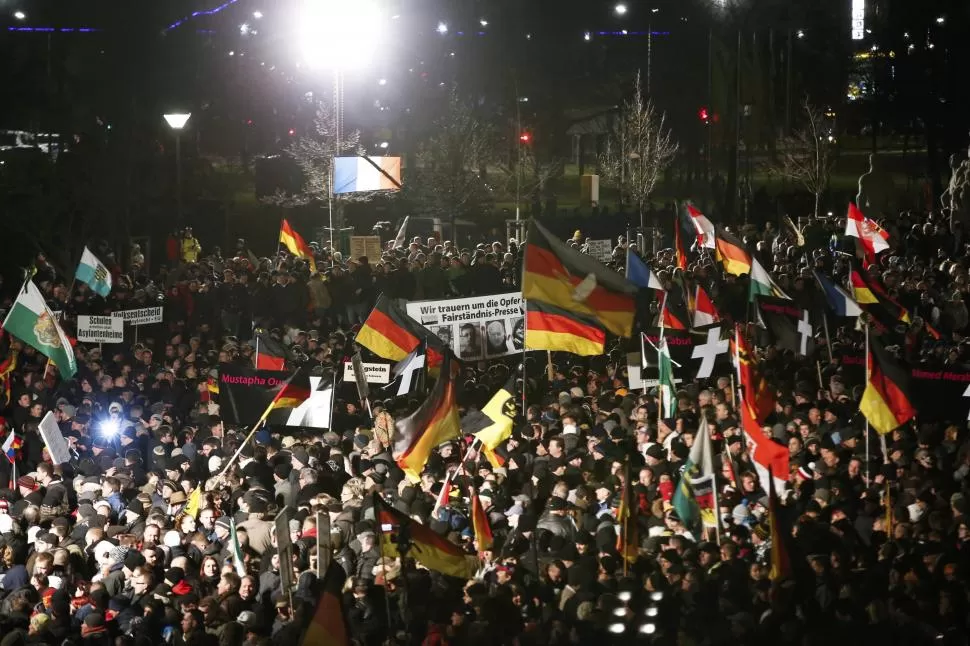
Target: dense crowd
<point>101,550</point>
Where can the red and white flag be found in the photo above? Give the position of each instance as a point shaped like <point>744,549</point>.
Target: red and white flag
<point>704,311</point>
<point>444,496</point>
<point>705,230</point>
<point>871,236</point>
<point>770,459</point>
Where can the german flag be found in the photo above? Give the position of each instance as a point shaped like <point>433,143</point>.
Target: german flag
<point>295,244</point>
<point>673,315</point>
<point>731,253</point>
<point>270,353</point>
<point>628,540</point>
<point>781,567</point>
<point>756,392</point>
<point>679,249</point>
<point>390,333</point>
<point>328,627</point>
<point>435,421</point>
<point>6,378</point>
<point>873,298</point>
<point>548,327</point>
<point>287,396</point>
<point>885,402</point>
<point>557,275</point>
<point>483,531</point>
<point>401,536</point>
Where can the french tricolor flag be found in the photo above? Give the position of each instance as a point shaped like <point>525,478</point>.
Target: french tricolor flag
<point>361,174</point>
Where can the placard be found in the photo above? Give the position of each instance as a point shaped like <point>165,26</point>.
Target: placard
<point>100,329</point>
<point>376,373</point>
<point>480,327</point>
<point>602,250</point>
<point>143,316</point>
<point>57,446</point>
<point>635,380</point>
<point>369,246</point>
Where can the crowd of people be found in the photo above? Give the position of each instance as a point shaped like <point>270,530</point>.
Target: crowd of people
<point>102,549</point>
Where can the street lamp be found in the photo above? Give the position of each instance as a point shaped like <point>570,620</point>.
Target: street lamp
<point>19,15</point>
<point>176,121</point>
<point>620,9</point>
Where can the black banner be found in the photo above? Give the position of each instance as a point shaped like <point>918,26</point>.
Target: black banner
<point>790,326</point>
<point>244,393</point>
<point>698,355</point>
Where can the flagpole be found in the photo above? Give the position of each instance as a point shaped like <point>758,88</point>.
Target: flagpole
<point>525,344</point>
<point>643,356</point>
<point>828,341</point>
<point>256,360</point>
<point>867,385</point>
<point>625,529</point>
<point>717,504</point>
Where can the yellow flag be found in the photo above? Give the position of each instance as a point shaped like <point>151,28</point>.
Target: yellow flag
<point>193,506</point>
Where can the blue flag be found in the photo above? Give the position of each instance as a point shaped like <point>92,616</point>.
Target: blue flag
<point>639,273</point>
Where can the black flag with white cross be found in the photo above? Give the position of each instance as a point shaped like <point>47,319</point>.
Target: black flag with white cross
<point>789,326</point>
<point>699,354</point>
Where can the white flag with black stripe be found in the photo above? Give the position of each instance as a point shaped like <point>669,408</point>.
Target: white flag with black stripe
<point>315,412</point>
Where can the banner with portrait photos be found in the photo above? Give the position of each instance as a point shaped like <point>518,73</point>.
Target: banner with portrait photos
<point>479,327</point>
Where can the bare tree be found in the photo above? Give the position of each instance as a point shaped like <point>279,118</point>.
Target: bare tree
<point>808,155</point>
<point>526,175</point>
<point>447,181</point>
<point>639,149</point>
<point>314,154</point>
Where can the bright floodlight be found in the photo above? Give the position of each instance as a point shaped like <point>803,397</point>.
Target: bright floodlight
<point>335,33</point>
<point>177,120</point>
<point>587,36</point>
<point>19,15</point>
<point>110,427</point>
<point>244,28</point>
<point>648,629</point>
<point>442,28</point>
<point>620,9</point>
<point>257,15</point>
<point>384,145</point>
<point>483,22</point>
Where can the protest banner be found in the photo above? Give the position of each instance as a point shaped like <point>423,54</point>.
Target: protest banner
<point>696,355</point>
<point>100,329</point>
<point>245,393</point>
<point>57,446</point>
<point>369,246</point>
<point>376,373</point>
<point>143,316</point>
<point>602,250</point>
<point>477,327</point>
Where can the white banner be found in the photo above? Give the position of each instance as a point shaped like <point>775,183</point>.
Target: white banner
<point>475,328</point>
<point>602,250</point>
<point>143,316</point>
<point>100,329</point>
<point>376,373</point>
<point>56,444</point>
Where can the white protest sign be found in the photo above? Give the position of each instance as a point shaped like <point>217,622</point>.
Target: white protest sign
<point>376,373</point>
<point>477,327</point>
<point>602,250</point>
<point>142,316</point>
<point>635,381</point>
<point>100,329</point>
<point>50,432</point>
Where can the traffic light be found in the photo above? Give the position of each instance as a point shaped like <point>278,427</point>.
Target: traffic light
<point>704,115</point>
<point>525,137</point>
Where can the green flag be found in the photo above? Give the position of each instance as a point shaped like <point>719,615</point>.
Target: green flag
<point>31,321</point>
<point>665,380</point>
<point>762,284</point>
<point>237,557</point>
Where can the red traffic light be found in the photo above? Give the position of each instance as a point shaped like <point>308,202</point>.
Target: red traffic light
<point>525,138</point>
<point>704,114</point>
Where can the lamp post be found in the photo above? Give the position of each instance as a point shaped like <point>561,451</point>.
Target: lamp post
<point>176,121</point>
